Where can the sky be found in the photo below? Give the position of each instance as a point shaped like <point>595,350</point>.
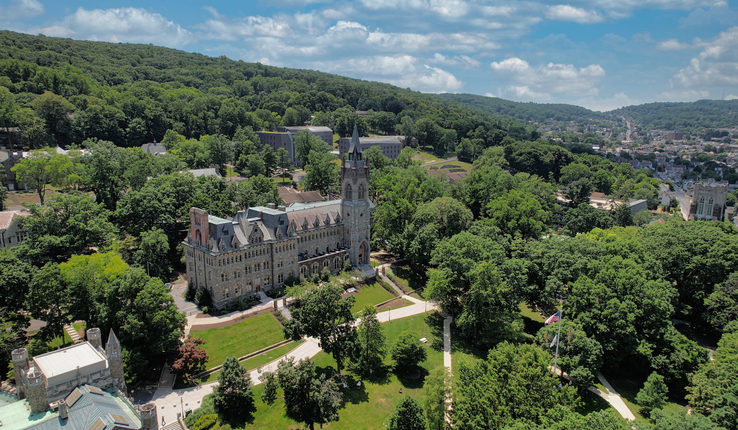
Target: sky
<point>600,54</point>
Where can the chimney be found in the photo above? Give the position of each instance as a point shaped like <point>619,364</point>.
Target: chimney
<point>63,410</point>
<point>282,208</point>
<point>271,205</point>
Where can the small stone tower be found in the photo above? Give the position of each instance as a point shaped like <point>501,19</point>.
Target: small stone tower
<point>149,419</point>
<point>115,361</point>
<point>20,369</point>
<point>94,337</point>
<point>355,205</point>
<point>36,391</point>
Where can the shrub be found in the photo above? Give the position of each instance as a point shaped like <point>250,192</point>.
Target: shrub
<point>205,422</point>
<point>203,298</point>
<point>408,351</point>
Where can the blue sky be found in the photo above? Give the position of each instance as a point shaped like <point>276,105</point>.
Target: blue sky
<point>601,54</point>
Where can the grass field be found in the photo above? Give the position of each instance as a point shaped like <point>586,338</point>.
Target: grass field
<point>628,390</point>
<point>425,156</point>
<point>365,407</point>
<point>240,339</point>
<point>406,278</point>
<point>370,295</point>
<point>259,360</point>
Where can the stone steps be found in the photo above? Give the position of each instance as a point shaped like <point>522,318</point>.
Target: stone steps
<point>8,389</point>
<point>73,334</point>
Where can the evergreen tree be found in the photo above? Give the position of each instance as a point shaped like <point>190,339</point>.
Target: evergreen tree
<point>407,416</point>
<point>233,393</point>
<point>653,394</point>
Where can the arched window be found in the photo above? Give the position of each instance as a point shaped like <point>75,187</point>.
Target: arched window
<point>709,207</point>
<point>349,195</point>
<point>199,238</point>
<point>701,206</point>
<point>361,191</point>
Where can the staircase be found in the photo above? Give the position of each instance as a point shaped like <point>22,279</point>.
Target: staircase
<point>73,334</point>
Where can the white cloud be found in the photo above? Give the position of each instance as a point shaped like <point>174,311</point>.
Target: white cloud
<point>731,97</point>
<point>717,14</point>
<point>458,60</point>
<point>20,9</point>
<point>716,66</point>
<point>671,45</point>
<point>333,14</point>
<point>120,25</point>
<point>540,82</point>
<point>566,12</point>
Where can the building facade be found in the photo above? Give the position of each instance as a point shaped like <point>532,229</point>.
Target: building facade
<point>391,146</point>
<point>708,202</point>
<point>284,137</point>
<point>262,247</point>
<point>11,231</point>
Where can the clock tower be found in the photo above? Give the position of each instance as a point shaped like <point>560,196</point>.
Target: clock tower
<point>355,204</point>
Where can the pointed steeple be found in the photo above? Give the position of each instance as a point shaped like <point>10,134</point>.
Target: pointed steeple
<point>112,348</point>
<point>355,159</point>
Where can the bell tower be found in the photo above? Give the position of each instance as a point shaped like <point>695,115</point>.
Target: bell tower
<point>355,204</point>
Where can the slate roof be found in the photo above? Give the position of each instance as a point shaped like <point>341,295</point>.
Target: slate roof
<point>8,217</point>
<point>205,172</point>
<point>153,148</point>
<point>103,411</point>
<point>290,195</point>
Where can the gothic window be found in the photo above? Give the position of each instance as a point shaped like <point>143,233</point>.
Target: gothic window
<point>709,207</point>
<point>348,192</point>
<point>701,206</point>
<point>361,191</point>
<point>199,238</point>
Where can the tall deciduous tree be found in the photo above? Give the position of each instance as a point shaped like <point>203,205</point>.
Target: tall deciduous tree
<point>152,253</point>
<point>322,313</point>
<point>220,150</point>
<point>408,352</point>
<point>305,143</point>
<point>103,171</point>
<point>714,387</point>
<point>432,222</point>
<point>48,300</point>
<point>370,343</point>
<point>513,383</point>
<point>437,392</point>
<point>407,416</point>
<point>313,399</point>
<point>233,393</point>
<point>43,167</point>
<point>322,173</point>
<point>653,394</point>
<point>269,395</point>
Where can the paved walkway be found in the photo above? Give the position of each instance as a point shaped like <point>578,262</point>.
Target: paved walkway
<point>394,286</point>
<point>611,397</point>
<point>432,163</point>
<point>195,323</point>
<point>170,402</point>
<point>447,363</point>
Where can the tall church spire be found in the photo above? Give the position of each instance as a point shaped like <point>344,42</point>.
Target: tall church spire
<point>355,158</point>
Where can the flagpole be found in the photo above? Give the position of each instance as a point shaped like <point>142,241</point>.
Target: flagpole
<point>558,339</point>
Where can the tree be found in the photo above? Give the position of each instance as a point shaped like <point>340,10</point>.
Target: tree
<point>233,393</point>
<point>714,387</point>
<point>623,215</point>
<point>104,171</point>
<point>322,313</point>
<point>322,172</point>
<point>191,358</point>
<point>437,391</point>
<point>42,167</point>
<point>722,304</point>
<point>305,143</point>
<point>3,188</point>
<point>152,253</point>
<point>283,159</point>
<point>370,343</point>
<point>518,213</point>
<point>513,383</point>
<point>432,222</point>
<point>407,416</point>
<point>668,419</point>
<point>269,395</point>
<point>69,224</point>
<point>408,352</point>
<point>220,150</point>
<point>48,301</point>
<point>376,158</point>
<point>579,356</point>
<point>313,399</point>
<point>583,218</point>
<point>653,394</point>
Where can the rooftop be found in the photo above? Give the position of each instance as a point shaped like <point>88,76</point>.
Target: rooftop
<point>7,218</point>
<point>59,366</point>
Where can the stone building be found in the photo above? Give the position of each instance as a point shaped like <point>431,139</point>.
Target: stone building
<point>391,146</point>
<point>708,202</point>
<point>11,232</point>
<point>49,377</point>
<point>284,137</point>
<point>263,247</point>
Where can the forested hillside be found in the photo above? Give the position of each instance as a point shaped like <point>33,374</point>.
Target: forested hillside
<point>525,112</point>
<point>686,117</point>
<point>62,91</point>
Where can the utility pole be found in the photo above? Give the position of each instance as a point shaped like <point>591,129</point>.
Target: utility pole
<point>558,339</point>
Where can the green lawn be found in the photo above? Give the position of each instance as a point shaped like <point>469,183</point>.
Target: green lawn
<point>533,321</point>
<point>240,339</point>
<point>259,360</point>
<point>370,295</point>
<point>369,406</point>
<point>406,278</point>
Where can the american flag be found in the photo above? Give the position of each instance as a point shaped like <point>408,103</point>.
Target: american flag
<point>553,318</point>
